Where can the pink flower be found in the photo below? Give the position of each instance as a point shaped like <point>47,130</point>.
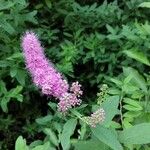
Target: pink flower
<point>46,77</point>
<point>67,101</point>
<point>76,89</point>
<point>42,71</point>
<point>71,99</point>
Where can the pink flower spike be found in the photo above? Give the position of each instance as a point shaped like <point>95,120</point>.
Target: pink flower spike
<point>44,75</point>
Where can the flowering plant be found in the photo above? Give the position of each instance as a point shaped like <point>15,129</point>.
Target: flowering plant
<point>50,81</point>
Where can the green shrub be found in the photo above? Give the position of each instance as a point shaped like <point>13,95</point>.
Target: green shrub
<point>91,41</point>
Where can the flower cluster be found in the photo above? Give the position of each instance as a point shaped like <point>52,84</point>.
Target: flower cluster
<point>95,118</point>
<point>102,95</point>
<point>68,100</point>
<point>43,73</point>
<point>46,77</point>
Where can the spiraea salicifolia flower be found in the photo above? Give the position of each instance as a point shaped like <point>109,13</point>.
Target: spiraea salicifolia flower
<point>76,89</point>
<point>46,77</point>
<point>71,99</point>
<point>43,73</point>
<point>95,118</point>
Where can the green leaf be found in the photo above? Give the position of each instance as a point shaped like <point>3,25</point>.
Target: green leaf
<point>13,72</point>
<point>68,130</point>
<point>90,145</point>
<point>20,76</point>
<point>21,144</point>
<point>132,114</point>
<point>133,103</point>
<point>110,29</point>
<point>2,87</point>
<point>46,146</point>
<point>116,81</point>
<point>111,109</point>
<point>4,64</point>
<point>6,5</point>
<point>14,92</point>
<point>7,26</point>
<point>3,103</point>
<point>22,2</point>
<point>107,136</point>
<point>145,4</point>
<point>138,134</point>
<point>30,17</point>
<point>126,123</point>
<point>19,97</point>
<point>44,120</point>
<point>17,56</point>
<point>131,108</point>
<point>52,136</point>
<point>48,3</point>
<point>136,78</point>
<point>139,56</point>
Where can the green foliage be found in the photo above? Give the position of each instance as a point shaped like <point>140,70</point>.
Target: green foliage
<point>107,136</point>
<point>21,144</point>
<point>111,109</point>
<point>95,42</point>
<point>138,56</point>
<point>68,130</point>
<point>6,96</point>
<point>91,144</point>
<point>134,135</point>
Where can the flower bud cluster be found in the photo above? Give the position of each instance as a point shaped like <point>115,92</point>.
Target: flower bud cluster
<point>102,94</point>
<point>70,99</point>
<point>95,118</point>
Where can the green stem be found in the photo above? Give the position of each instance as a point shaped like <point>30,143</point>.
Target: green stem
<point>120,102</point>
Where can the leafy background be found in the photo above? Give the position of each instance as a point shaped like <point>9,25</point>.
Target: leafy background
<point>94,42</point>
